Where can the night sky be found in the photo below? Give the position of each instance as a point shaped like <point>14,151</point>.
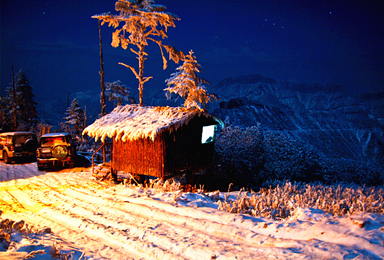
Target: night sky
<point>338,42</point>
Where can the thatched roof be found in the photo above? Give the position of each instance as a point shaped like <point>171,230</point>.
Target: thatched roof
<point>132,122</point>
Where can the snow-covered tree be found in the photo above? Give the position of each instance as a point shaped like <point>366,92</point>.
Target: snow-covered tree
<point>19,101</point>
<point>117,91</point>
<point>188,85</point>
<point>2,113</point>
<point>142,21</point>
<point>74,121</point>
<point>26,104</point>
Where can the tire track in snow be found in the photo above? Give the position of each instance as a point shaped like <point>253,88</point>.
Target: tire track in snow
<point>149,229</point>
<point>168,234</point>
<point>240,238</point>
<point>41,211</point>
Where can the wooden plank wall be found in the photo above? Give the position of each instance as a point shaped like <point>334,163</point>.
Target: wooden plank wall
<point>139,157</point>
<point>170,154</point>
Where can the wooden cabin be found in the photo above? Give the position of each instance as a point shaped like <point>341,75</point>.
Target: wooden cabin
<point>157,141</point>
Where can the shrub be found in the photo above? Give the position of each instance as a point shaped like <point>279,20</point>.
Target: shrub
<point>249,157</point>
<point>238,155</point>
<point>282,200</point>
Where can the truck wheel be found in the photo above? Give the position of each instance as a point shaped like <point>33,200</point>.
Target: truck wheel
<point>40,167</point>
<point>5,157</point>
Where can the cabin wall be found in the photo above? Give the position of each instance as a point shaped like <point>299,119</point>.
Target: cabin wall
<point>142,156</point>
<point>183,148</point>
<point>169,155</point>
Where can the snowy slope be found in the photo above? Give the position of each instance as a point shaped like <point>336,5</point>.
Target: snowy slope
<point>99,221</point>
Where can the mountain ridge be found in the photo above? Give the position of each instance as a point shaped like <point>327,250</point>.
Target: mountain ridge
<point>336,123</point>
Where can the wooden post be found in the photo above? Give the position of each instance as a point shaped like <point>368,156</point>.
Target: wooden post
<point>102,94</point>
<point>103,153</point>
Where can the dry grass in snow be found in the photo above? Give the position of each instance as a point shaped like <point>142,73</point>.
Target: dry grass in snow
<point>281,202</point>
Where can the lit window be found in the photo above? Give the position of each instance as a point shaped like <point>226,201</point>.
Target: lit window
<point>208,134</point>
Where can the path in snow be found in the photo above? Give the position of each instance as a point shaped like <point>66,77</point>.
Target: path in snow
<point>117,222</point>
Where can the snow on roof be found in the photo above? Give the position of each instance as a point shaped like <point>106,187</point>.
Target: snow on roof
<point>132,122</point>
<point>16,133</point>
<point>55,134</point>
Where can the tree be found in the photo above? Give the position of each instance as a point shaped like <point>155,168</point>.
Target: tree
<point>14,103</point>
<point>19,105</point>
<point>2,113</point>
<point>26,104</point>
<point>75,119</point>
<point>117,91</point>
<point>142,21</point>
<point>188,85</point>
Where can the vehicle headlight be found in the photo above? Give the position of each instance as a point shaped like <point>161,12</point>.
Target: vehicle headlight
<point>59,151</point>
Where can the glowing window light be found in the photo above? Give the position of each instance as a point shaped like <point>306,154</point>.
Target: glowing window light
<point>208,134</point>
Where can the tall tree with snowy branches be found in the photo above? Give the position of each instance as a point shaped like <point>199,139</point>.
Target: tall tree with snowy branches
<point>142,21</point>
<point>117,91</point>
<point>188,85</point>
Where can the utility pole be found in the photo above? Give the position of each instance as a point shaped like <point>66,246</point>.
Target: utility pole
<point>102,94</point>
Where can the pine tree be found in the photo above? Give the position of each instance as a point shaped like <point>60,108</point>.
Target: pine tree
<point>188,85</point>
<point>142,21</point>
<point>117,91</point>
<point>19,111</point>
<point>74,123</point>
<point>26,104</point>
<point>2,113</point>
<point>8,106</point>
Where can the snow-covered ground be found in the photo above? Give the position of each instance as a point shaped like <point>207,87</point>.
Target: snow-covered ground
<point>91,220</point>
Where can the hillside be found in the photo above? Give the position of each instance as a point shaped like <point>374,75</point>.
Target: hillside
<point>338,124</point>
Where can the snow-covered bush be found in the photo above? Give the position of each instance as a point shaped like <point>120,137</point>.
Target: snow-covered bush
<point>238,154</point>
<point>350,171</point>
<point>282,200</point>
<point>249,157</point>
<point>286,158</point>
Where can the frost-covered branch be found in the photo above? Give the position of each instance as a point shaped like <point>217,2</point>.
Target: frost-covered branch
<point>117,91</point>
<point>140,20</point>
<point>188,85</point>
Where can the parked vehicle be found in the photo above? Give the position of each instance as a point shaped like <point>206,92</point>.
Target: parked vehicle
<point>18,145</point>
<point>56,149</point>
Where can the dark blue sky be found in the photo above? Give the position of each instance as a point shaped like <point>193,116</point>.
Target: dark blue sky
<point>337,42</point>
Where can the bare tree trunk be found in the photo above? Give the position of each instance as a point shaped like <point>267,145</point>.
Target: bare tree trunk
<point>141,72</point>
<point>102,94</point>
<point>14,105</point>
